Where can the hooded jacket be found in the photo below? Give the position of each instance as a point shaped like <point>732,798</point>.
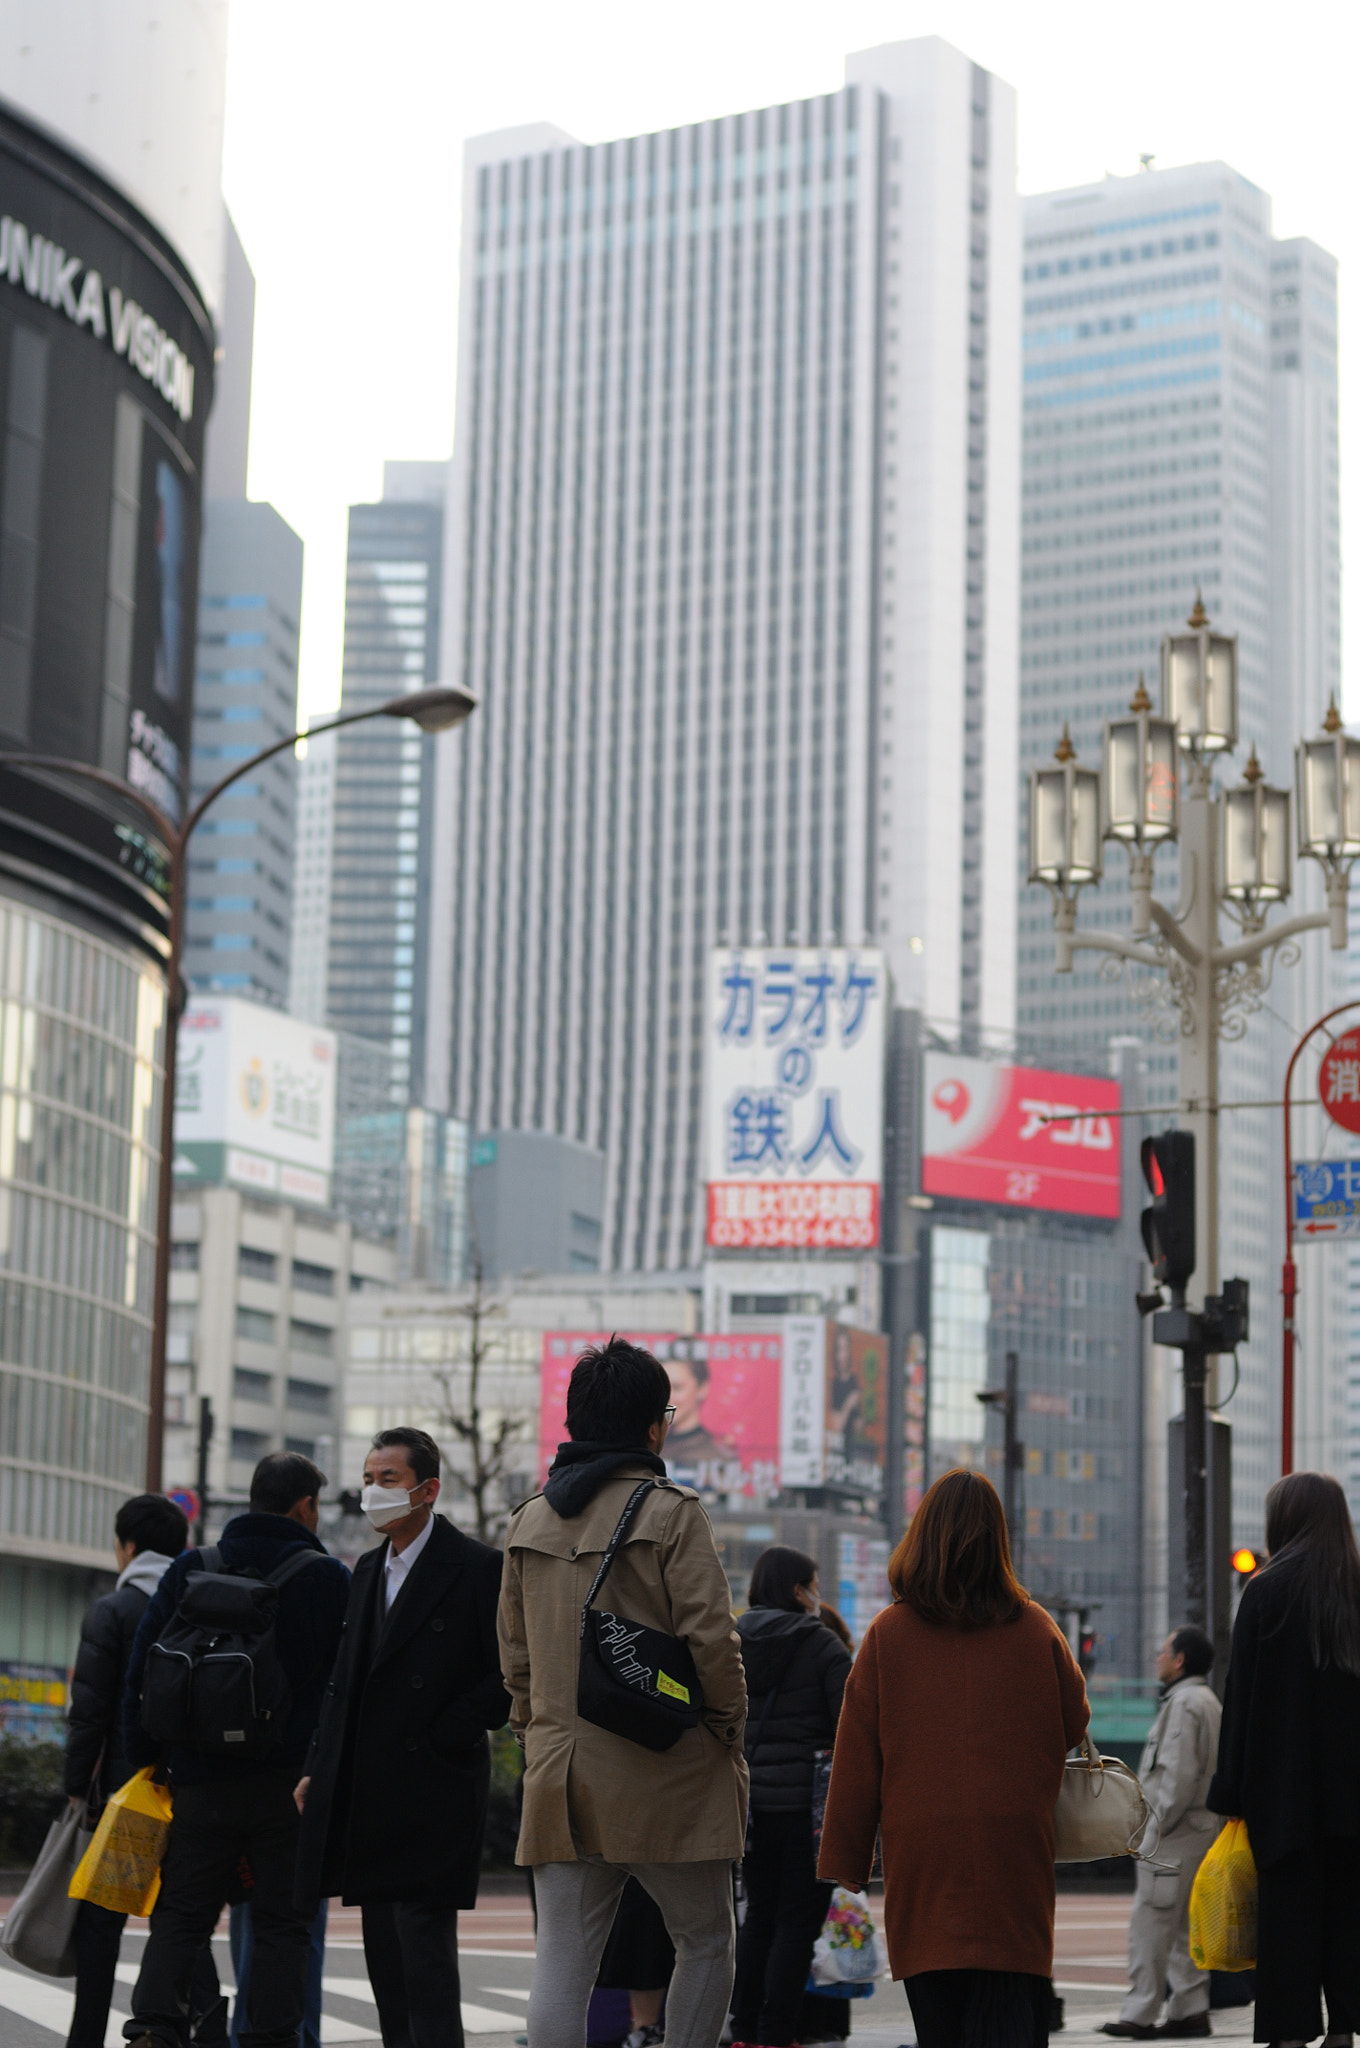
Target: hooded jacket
<point>94,1721</point>
<point>798,1655</point>
<point>587,1792</point>
<point>310,1620</point>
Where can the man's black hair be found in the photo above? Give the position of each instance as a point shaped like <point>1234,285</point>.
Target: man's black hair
<point>617,1391</point>
<point>1192,1644</point>
<point>281,1480</point>
<point>422,1452</point>
<point>151,1522</point>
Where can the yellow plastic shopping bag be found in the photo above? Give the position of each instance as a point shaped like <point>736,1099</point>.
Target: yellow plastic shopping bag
<point>121,1869</point>
<point>1223,1904</point>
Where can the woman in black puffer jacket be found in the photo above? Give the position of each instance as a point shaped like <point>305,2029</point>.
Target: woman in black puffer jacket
<point>795,1676</point>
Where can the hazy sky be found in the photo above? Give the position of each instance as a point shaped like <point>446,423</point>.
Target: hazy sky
<point>345,125</point>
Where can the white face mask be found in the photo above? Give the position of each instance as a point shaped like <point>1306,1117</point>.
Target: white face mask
<point>384,1504</point>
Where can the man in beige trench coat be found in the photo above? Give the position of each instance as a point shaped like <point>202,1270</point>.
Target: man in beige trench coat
<point>598,1807</point>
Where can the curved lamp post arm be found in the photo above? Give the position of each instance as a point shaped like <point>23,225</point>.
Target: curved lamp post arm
<point>1271,935</point>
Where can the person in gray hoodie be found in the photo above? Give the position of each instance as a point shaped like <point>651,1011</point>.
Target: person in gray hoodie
<point>149,1533</point>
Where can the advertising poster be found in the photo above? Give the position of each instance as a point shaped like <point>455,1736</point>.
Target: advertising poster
<point>255,1099</point>
<point>725,1436</point>
<point>856,1411</point>
<point>1022,1135</point>
<point>794,1097</point>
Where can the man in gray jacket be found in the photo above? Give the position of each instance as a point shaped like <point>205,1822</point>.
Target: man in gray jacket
<point>1176,1766</point>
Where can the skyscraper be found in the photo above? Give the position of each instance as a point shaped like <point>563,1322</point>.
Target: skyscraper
<point>239,929</point>
<point>732,573</point>
<point>376,950</point>
<point>1180,435</point>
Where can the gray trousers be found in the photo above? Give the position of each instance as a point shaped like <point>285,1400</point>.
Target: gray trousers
<point>576,1907</point>
<point>1159,1934</point>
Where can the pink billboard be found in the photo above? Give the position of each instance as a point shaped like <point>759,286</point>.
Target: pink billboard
<point>725,1436</point>
<point>1020,1135</point>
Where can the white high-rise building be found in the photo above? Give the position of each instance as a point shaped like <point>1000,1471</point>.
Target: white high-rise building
<point>732,570</point>
<point>1180,410</point>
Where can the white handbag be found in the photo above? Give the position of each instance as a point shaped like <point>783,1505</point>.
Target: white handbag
<point>1101,1810</point>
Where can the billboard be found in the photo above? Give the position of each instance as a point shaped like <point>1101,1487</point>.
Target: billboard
<point>800,1406</point>
<point>106,376</point>
<point>254,1100</point>
<point>794,1097</point>
<point>1020,1135</point>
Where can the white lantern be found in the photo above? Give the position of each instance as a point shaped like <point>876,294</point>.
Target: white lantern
<point>1199,685</point>
<point>1064,822</point>
<point>1328,775</point>
<point>1141,782</point>
<point>1255,852</point>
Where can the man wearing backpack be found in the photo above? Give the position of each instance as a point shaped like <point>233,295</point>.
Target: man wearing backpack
<point>232,1658</point>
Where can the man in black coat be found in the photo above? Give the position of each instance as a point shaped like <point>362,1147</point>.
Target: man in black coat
<point>394,1800</point>
<point>149,1533</point>
<point>232,1810</point>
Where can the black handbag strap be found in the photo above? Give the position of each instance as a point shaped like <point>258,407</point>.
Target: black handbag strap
<point>634,1502</point>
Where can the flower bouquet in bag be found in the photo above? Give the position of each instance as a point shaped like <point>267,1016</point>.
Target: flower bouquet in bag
<point>849,1949</point>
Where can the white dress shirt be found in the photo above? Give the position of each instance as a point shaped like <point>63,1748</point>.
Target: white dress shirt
<point>399,1563</point>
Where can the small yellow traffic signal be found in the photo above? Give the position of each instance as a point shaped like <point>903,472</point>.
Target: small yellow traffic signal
<point>1244,1562</point>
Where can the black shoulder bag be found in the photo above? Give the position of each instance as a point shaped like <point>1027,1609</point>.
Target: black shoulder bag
<point>634,1681</point>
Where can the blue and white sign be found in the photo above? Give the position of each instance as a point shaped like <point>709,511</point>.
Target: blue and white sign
<point>1327,1198</point>
<point>795,1096</point>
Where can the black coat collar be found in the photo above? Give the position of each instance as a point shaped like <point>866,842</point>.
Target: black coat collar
<point>444,1554</point>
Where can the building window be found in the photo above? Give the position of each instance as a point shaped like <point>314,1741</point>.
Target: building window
<point>254,1325</point>
<point>256,1265</point>
<point>184,1258</point>
<point>308,1279</point>
<point>249,1445</point>
<point>960,1311</point>
<point>309,1394</point>
<point>252,1386</point>
<point>313,1337</point>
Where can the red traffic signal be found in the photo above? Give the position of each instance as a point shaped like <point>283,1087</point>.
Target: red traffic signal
<point>1168,1222</point>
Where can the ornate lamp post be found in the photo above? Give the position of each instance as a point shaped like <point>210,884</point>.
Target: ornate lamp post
<point>1235,862</point>
<point>433,710</point>
<point>1158,788</point>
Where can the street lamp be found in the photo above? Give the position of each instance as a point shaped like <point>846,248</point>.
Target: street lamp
<point>1234,859</point>
<point>1255,849</point>
<point>437,709</point>
<point>1143,794</point>
<point>1328,777</point>
<point>1064,829</point>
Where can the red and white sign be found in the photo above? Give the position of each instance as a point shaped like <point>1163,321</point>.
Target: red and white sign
<point>813,1213</point>
<point>1339,1080</point>
<point>1021,1135</point>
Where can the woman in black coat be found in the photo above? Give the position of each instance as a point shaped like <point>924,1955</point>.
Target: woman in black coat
<point>795,1675</point>
<point>1289,1763</point>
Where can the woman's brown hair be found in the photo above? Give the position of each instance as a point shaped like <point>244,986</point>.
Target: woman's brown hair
<point>953,1566</point>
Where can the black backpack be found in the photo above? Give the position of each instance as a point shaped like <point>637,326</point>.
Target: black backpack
<point>213,1681</point>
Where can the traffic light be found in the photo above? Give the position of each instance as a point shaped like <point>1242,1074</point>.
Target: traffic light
<point>1086,1651</point>
<point>1244,1563</point>
<point>1169,1220</point>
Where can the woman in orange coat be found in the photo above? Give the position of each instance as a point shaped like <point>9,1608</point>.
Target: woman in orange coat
<point>958,1714</point>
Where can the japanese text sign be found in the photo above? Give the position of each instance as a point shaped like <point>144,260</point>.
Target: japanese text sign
<point>1021,1135</point>
<point>1339,1080</point>
<point>1327,1198</point>
<point>794,1100</point>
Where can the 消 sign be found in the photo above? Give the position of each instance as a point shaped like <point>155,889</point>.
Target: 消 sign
<point>1326,1196</point>
<point>1339,1081</point>
<point>794,1116</point>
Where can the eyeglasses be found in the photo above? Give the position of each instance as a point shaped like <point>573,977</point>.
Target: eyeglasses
<point>668,1415</point>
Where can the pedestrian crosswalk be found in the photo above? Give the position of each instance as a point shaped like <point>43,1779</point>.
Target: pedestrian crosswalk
<point>348,2015</point>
